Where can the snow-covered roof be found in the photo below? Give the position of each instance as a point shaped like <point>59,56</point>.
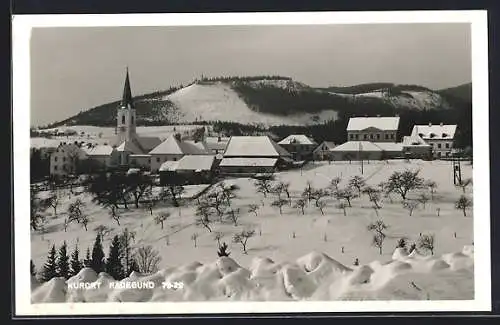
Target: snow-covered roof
<point>148,143</point>
<point>253,146</point>
<point>140,156</point>
<point>381,123</point>
<point>100,150</point>
<point>389,146</point>
<point>195,163</point>
<point>298,139</point>
<point>325,145</point>
<point>133,171</point>
<point>434,132</point>
<point>169,166</point>
<point>260,162</point>
<point>173,146</point>
<point>357,146</point>
<point>213,143</point>
<point>128,146</point>
<point>71,149</point>
<point>44,143</point>
<point>414,140</point>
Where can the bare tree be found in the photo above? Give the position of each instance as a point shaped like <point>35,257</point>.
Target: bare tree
<point>300,204</point>
<point>233,215</point>
<point>279,203</point>
<point>54,202</point>
<point>102,230</point>
<point>253,208</point>
<point>403,182</point>
<point>194,237</point>
<point>427,242</point>
<point>463,204</point>
<point>373,195</point>
<point>465,183</point>
<point>113,213</point>
<point>346,194</point>
<point>321,204</point>
<point>218,236</point>
<point>378,241</point>
<point>264,186</point>
<point>308,192</point>
<point>342,206</point>
<point>378,226</point>
<point>410,205</point>
<point>334,184</point>
<point>378,229</point>
<point>147,259</point>
<point>216,201</point>
<point>317,195</point>
<point>161,218</point>
<point>431,185</point>
<point>358,183</point>
<point>203,214</point>
<point>423,199</point>
<point>242,238</point>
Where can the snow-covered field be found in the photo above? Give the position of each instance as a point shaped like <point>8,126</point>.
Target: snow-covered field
<point>292,237</point>
<point>219,101</point>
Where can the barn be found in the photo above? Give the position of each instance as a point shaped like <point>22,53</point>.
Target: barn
<point>190,169</point>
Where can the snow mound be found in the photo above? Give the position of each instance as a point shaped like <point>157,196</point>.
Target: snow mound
<point>315,276</point>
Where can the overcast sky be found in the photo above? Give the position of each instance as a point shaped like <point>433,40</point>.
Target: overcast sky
<point>74,69</point>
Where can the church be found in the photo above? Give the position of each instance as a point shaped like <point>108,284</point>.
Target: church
<point>133,149</point>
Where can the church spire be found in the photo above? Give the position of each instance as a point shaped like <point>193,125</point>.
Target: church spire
<point>127,93</point>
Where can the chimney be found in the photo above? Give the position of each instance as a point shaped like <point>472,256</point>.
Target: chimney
<point>430,124</point>
<point>378,115</point>
<point>441,124</point>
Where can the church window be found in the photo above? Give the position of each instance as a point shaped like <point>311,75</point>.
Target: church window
<point>132,119</point>
<point>158,159</point>
<point>123,119</point>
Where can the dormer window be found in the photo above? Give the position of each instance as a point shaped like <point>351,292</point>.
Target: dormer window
<point>432,135</point>
<point>421,135</point>
<point>444,135</point>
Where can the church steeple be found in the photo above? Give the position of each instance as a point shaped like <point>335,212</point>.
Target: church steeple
<point>127,94</point>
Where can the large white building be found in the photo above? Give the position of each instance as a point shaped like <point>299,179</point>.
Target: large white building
<point>440,137</point>
<point>65,159</point>
<point>374,129</point>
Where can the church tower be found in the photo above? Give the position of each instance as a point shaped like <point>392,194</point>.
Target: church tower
<point>126,117</point>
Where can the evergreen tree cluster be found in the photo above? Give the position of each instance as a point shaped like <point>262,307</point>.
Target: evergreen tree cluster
<point>121,260</point>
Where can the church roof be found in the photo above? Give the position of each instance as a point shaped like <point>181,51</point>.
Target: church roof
<point>127,94</point>
<point>148,143</point>
<point>173,146</point>
<point>128,146</point>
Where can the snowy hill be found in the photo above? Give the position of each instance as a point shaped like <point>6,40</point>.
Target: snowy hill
<point>265,100</point>
<point>315,276</point>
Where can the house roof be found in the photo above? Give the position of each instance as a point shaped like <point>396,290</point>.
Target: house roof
<point>128,146</point>
<point>357,146</point>
<point>196,162</point>
<point>389,146</point>
<point>213,143</point>
<point>173,146</point>
<point>148,143</point>
<point>298,139</point>
<point>414,141</point>
<point>72,149</point>
<point>242,162</point>
<point>100,150</point>
<point>381,123</point>
<point>169,166</point>
<point>253,146</point>
<point>434,132</point>
<point>329,145</point>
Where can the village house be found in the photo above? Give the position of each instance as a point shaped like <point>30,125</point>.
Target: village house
<point>415,147</point>
<point>374,129</point>
<point>299,146</point>
<point>190,169</point>
<point>247,155</point>
<point>66,158</point>
<point>216,145</point>
<point>102,156</point>
<point>357,150</point>
<point>440,137</point>
<point>324,151</point>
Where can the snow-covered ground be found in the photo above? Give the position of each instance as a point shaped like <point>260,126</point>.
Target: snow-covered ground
<point>290,236</point>
<point>218,101</point>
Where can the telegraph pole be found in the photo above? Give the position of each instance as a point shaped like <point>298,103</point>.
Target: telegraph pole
<point>360,157</point>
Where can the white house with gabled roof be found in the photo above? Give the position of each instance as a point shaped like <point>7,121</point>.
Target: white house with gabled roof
<point>300,146</point>
<point>374,129</point>
<point>440,137</point>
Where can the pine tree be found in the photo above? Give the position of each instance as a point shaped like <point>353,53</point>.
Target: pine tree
<point>49,270</point>
<point>87,260</point>
<point>97,261</point>
<point>75,263</point>
<point>114,266</point>
<point>63,262</point>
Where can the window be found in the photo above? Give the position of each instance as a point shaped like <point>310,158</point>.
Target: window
<point>365,136</point>
<point>439,154</point>
<point>357,136</point>
<point>392,136</point>
<point>447,146</point>
<point>175,159</point>
<point>439,145</point>
<point>351,136</point>
<point>64,167</point>
<point>378,136</point>
<point>158,159</point>
<point>132,119</point>
<point>386,136</point>
<point>371,136</point>
<point>123,119</point>
<point>64,158</point>
<point>447,154</point>
<point>55,158</point>
<point>55,167</point>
